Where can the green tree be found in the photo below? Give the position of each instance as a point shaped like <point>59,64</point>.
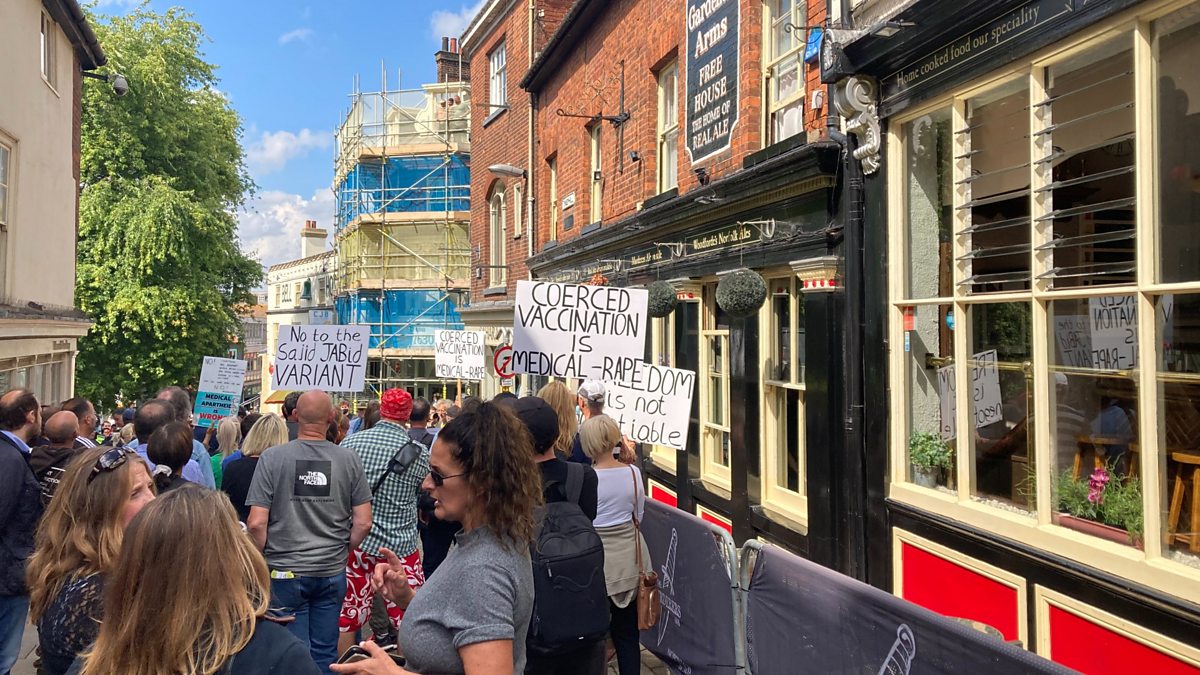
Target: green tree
<point>160,268</point>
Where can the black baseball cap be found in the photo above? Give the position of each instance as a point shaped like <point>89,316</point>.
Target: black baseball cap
<point>541,421</point>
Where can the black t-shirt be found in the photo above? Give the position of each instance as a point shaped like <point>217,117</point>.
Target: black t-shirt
<point>235,482</point>
<point>556,470</point>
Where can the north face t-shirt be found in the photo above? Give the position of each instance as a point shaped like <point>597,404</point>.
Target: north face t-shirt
<point>310,488</point>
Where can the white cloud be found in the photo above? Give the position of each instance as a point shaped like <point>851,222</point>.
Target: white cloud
<point>269,226</point>
<point>274,149</point>
<point>294,35</point>
<point>444,23</point>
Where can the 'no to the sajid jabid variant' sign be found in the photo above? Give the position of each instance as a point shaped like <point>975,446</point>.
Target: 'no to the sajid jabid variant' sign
<point>586,332</point>
<point>711,94</point>
<point>332,358</point>
<point>220,390</point>
<point>460,354</point>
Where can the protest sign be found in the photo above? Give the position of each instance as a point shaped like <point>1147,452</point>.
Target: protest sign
<point>1113,321</point>
<point>986,401</point>
<point>332,358</point>
<point>653,404</point>
<point>1074,338</point>
<point>570,330</point>
<point>220,390</point>
<point>460,354</point>
<point>946,399</point>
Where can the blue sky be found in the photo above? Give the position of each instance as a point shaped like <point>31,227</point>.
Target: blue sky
<point>288,68</point>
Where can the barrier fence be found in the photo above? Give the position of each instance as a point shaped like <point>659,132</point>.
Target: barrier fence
<point>768,612</point>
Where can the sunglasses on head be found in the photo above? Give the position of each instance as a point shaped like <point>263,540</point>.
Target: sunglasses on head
<point>439,480</point>
<point>110,461</point>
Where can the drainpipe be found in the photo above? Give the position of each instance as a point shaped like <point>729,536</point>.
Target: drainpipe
<point>530,167</point>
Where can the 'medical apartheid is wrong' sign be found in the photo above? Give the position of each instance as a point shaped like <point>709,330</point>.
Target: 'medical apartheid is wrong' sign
<point>711,98</point>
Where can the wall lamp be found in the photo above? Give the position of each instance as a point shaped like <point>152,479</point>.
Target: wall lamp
<point>508,170</point>
<point>889,28</point>
<point>119,84</point>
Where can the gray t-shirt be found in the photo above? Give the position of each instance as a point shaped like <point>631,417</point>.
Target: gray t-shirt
<point>483,591</point>
<point>311,488</point>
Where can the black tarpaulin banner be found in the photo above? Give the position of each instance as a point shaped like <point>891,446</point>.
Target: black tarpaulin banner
<point>804,618</point>
<point>696,634</point>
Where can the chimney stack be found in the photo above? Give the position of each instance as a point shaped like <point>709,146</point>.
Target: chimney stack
<point>449,66</point>
<point>312,239</point>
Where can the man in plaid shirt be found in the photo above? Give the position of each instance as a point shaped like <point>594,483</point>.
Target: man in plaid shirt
<point>393,510</point>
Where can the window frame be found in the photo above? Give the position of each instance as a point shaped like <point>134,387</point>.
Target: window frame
<point>667,130</point>
<point>662,341</point>
<point>7,167</point>
<point>497,242</point>
<point>711,432</point>
<point>1151,567</point>
<point>552,175</point>
<point>48,48</point>
<point>774,106</point>
<point>498,77</point>
<point>518,209</point>
<point>775,497</point>
<point>596,185</point>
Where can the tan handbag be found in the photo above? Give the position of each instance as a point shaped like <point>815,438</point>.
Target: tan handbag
<point>649,604</point>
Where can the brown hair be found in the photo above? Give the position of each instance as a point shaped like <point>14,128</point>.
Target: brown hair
<point>81,531</point>
<point>170,446</point>
<point>562,400</point>
<point>201,613</point>
<point>496,453</point>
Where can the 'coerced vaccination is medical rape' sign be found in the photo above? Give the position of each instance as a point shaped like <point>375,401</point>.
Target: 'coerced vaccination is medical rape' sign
<point>460,354</point>
<point>332,358</point>
<point>570,330</point>
<point>220,390</point>
<point>652,404</point>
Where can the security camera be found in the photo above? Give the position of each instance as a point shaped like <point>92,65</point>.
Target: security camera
<point>119,84</point>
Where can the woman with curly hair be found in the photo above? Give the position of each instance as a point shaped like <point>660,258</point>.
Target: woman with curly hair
<point>202,618</point>
<point>472,616</point>
<point>77,546</point>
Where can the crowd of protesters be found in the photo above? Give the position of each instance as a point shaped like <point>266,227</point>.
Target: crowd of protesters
<point>141,543</point>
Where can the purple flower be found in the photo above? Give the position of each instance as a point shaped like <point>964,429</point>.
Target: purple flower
<point>1096,483</point>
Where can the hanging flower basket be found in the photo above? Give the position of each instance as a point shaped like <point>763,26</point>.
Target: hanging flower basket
<point>741,293</point>
<point>662,299</point>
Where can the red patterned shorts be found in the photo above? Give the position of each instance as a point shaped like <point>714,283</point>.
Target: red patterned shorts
<point>356,607</point>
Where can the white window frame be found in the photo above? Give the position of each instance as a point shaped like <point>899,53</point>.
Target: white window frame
<point>792,504</point>
<point>48,48</point>
<point>6,183</point>
<point>1149,567</point>
<point>552,171</point>
<point>497,242</point>
<point>662,352</point>
<point>498,77</point>
<point>668,127</point>
<point>518,203</point>
<point>712,432</point>
<point>596,196</point>
<point>771,23</point>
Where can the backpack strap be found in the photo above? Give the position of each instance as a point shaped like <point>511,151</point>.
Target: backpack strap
<point>574,485</point>
<point>399,463</point>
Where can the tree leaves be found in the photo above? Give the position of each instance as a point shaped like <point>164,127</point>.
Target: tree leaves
<point>159,265</point>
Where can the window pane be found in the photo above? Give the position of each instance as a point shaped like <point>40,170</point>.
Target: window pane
<point>929,182</point>
<point>717,397</point>
<point>1001,396</point>
<point>786,76</point>
<point>996,157</point>
<point>781,331</point>
<point>928,347</point>
<point>1095,401</point>
<point>1178,328</point>
<point>1090,154</point>
<point>1177,48</point>
<point>791,432</point>
<point>670,159</point>
<point>787,121</point>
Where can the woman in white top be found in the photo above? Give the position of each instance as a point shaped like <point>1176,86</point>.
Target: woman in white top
<point>619,494</point>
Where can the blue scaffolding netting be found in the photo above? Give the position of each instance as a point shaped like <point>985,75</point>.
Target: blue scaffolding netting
<point>400,319</point>
<point>426,183</point>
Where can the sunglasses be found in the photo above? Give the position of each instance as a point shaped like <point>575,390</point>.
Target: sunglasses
<point>439,480</point>
<point>110,460</point>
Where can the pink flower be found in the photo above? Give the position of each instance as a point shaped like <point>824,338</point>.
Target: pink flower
<point>1096,483</point>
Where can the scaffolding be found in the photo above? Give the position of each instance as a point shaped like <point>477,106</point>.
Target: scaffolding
<point>402,194</point>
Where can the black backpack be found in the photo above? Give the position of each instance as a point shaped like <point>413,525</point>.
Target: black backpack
<point>570,598</point>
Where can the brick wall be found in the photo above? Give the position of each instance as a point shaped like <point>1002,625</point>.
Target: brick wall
<point>646,35</point>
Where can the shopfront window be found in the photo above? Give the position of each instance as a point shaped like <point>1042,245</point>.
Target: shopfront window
<point>714,400</point>
<point>782,344</point>
<point>1072,300</point>
<point>662,353</point>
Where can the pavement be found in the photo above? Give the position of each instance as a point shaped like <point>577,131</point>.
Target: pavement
<point>650,664</point>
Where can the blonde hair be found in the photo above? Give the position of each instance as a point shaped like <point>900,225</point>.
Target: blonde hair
<point>598,435</point>
<point>229,434</point>
<point>81,531</point>
<point>192,620</point>
<point>126,434</point>
<point>562,401</point>
<point>269,431</point>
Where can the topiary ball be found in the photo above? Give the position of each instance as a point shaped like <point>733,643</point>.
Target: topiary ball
<point>741,293</point>
<point>662,299</point>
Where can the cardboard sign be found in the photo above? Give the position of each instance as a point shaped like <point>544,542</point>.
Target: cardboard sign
<point>460,354</point>
<point>1113,320</point>
<point>1074,338</point>
<point>331,358</point>
<point>582,332</point>
<point>986,401</point>
<point>947,401</point>
<point>653,405</point>
<point>220,390</point>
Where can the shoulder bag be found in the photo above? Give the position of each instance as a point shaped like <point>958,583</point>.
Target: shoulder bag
<point>649,604</point>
